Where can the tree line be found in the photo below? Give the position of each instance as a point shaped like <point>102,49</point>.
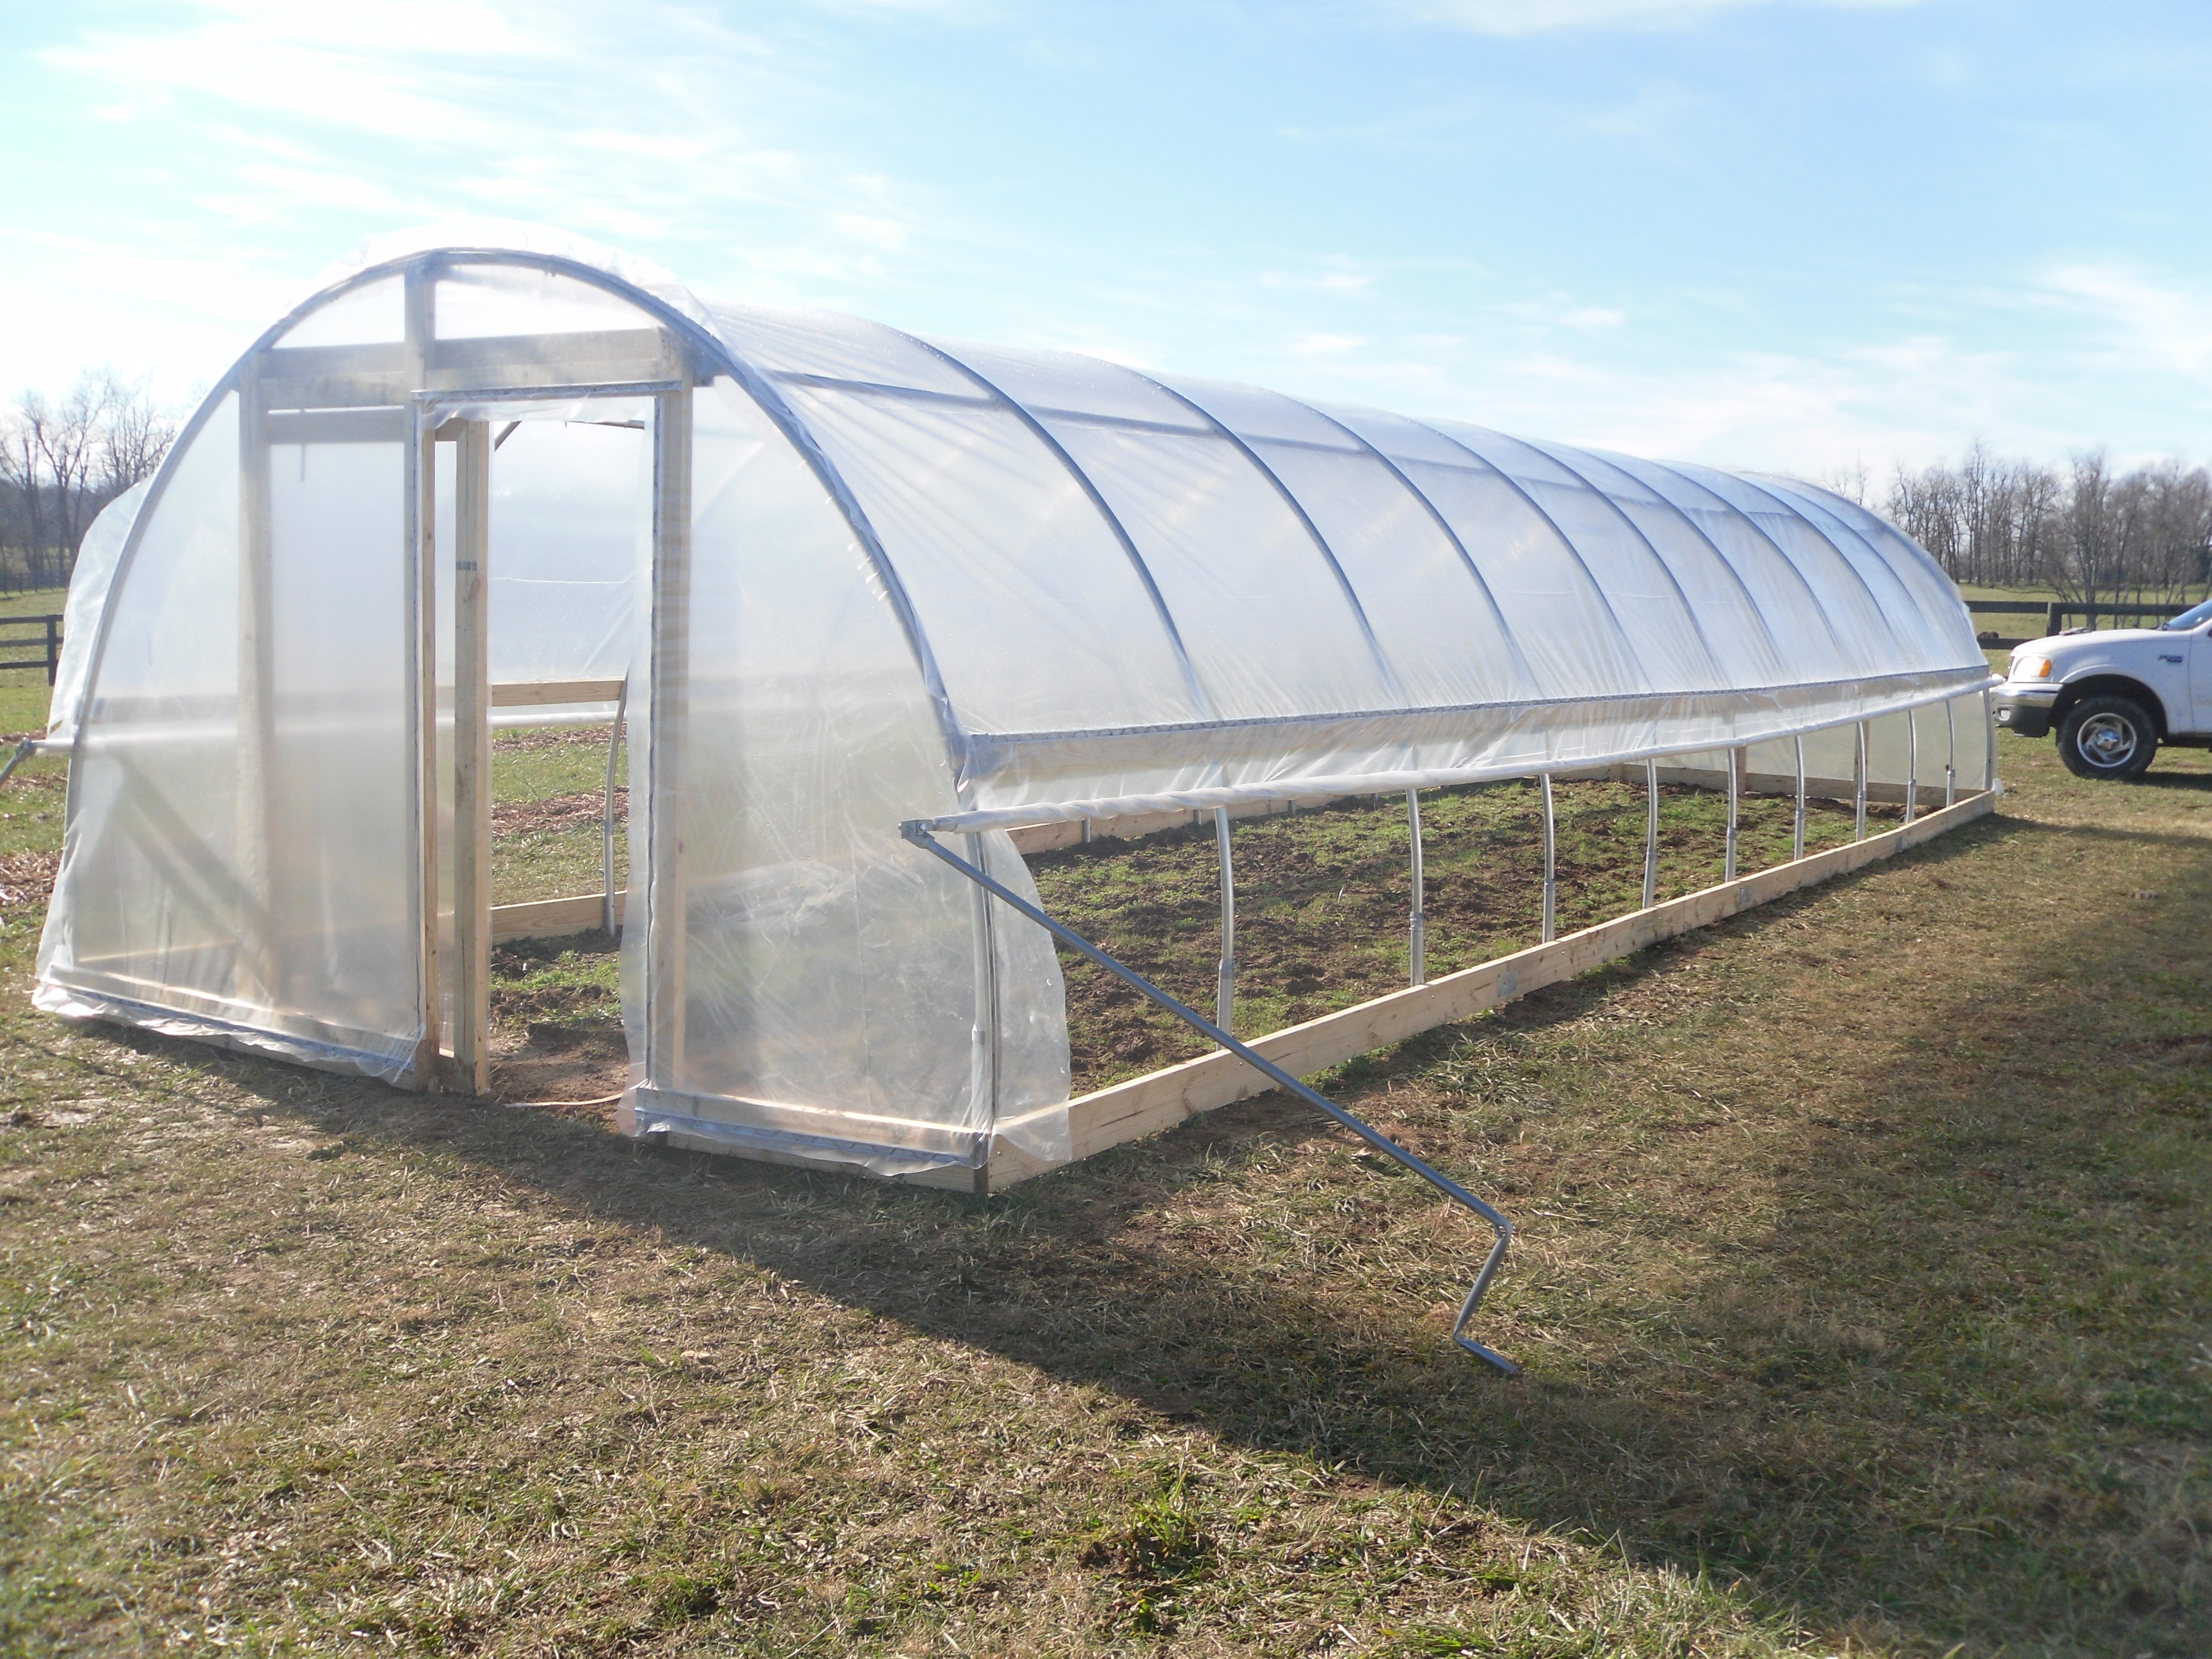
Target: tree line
<point>2091,533</point>
<point>61,461</point>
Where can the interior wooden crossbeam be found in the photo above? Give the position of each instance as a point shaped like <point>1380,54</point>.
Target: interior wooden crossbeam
<point>370,376</point>
<point>543,694</point>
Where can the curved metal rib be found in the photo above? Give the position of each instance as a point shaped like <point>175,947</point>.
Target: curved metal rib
<point>1629,464</point>
<point>1565,540</point>
<point>1857,575</point>
<point>917,832</point>
<point>1657,557</point>
<point>1015,407</point>
<point>1560,451</point>
<point>1436,515</point>
<point>1298,507</point>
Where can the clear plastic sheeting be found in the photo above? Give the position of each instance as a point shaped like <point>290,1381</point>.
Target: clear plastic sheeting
<point>96,557</point>
<point>854,578</point>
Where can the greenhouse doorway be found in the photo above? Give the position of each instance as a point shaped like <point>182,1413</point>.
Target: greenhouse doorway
<point>547,508</point>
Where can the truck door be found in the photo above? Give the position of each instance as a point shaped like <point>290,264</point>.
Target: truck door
<point>2197,646</point>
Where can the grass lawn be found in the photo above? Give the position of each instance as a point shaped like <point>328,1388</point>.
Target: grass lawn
<point>1862,1288</point>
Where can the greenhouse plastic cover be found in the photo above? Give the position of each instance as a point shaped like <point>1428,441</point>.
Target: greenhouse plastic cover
<point>929,580</point>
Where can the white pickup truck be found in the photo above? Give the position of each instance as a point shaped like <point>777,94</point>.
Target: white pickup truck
<point>2114,696</point>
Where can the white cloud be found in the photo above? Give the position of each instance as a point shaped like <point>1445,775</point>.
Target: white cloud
<point>1519,17</point>
<point>2150,320</point>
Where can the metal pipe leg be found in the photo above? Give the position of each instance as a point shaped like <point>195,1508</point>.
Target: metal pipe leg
<point>1417,927</point>
<point>1911,761</point>
<point>1551,864</point>
<point>1727,859</point>
<point>1950,755</point>
<point>917,832</point>
<point>607,826</point>
<point>1650,833</point>
<point>1797,823</point>
<point>1859,784</point>
<point>1224,989</point>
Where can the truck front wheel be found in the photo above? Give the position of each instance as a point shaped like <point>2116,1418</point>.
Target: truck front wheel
<point>2106,738</point>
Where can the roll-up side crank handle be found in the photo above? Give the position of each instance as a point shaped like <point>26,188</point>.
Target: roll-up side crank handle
<point>917,831</point>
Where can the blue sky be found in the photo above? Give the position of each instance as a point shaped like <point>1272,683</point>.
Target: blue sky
<point>1772,233</point>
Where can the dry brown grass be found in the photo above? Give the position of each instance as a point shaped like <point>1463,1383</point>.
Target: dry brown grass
<point>1861,1286</point>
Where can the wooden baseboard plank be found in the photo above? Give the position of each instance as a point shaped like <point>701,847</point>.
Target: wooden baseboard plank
<point>1162,1099</point>
<point>552,918</point>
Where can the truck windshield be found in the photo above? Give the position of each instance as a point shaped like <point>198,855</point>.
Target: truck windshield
<point>2196,616</point>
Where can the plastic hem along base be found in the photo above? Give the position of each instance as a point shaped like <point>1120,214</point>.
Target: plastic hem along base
<point>73,1003</point>
<point>642,1114</point>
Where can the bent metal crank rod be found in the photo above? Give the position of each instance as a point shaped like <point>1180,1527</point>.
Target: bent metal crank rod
<point>917,831</point>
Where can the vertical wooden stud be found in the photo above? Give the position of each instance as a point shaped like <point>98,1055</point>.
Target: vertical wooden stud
<point>421,560</point>
<point>258,981</point>
<point>471,757</point>
<point>670,672</point>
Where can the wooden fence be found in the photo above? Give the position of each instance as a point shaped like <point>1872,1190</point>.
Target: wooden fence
<point>39,638</point>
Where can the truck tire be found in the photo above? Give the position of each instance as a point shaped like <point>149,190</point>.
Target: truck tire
<point>2107,737</point>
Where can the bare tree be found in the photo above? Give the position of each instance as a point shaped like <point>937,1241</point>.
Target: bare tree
<point>2093,536</point>
<point>135,437</point>
<point>20,476</point>
<point>68,439</point>
<point>1849,481</point>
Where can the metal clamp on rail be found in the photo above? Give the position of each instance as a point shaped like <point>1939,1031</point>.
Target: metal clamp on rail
<point>917,831</point>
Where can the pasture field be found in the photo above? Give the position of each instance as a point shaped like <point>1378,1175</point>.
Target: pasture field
<point>1861,1286</point>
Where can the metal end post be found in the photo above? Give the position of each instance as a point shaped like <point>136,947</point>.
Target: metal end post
<point>1859,784</point>
<point>917,832</point>
<point>1225,985</point>
<point>1950,756</point>
<point>1650,833</point>
<point>1417,926</point>
<point>1551,864</point>
<point>1797,823</point>
<point>1728,858</point>
<point>1911,762</point>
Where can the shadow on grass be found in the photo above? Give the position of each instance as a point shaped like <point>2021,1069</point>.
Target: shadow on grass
<point>2154,778</point>
<point>1876,1407</point>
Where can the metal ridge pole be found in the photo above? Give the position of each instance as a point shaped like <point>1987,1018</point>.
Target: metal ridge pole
<point>917,832</point>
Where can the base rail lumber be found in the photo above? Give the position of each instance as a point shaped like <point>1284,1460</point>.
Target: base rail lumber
<point>554,918</point>
<point>1160,1100</point>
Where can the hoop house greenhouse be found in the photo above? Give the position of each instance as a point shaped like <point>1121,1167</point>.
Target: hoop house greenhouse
<point>872,605</point>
